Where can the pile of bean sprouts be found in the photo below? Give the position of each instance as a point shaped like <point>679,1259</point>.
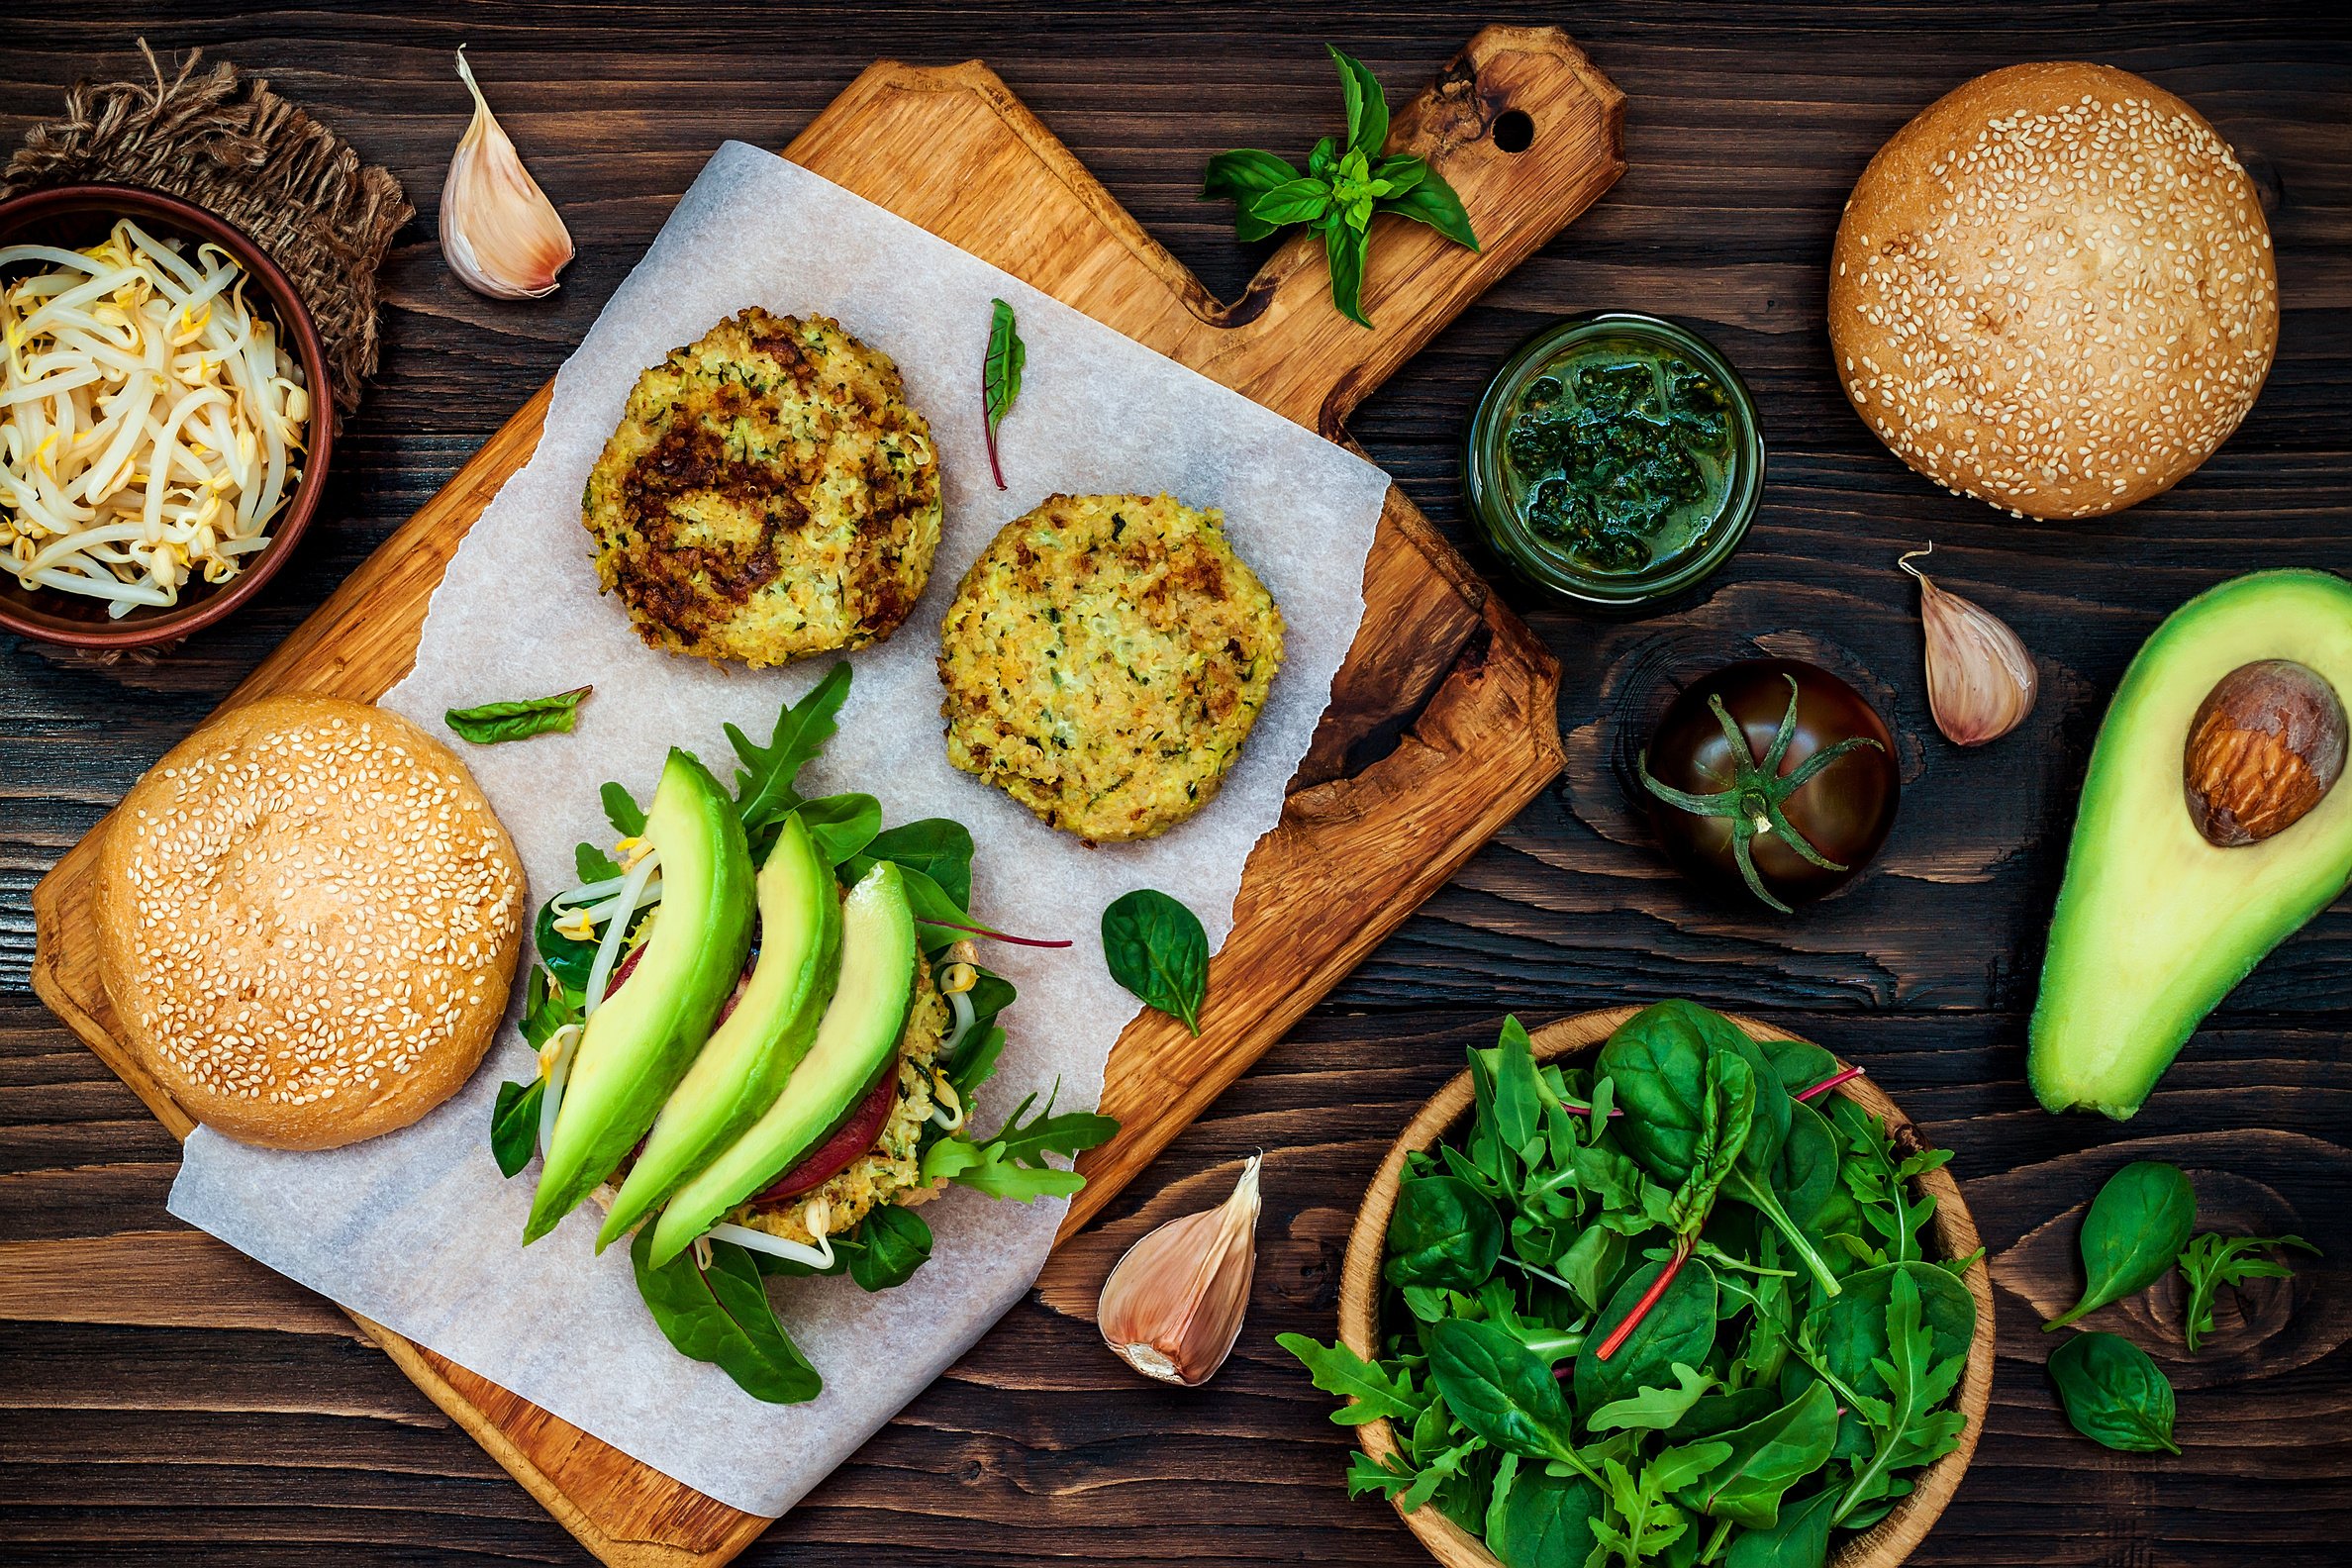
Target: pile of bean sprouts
<point>149,426</point>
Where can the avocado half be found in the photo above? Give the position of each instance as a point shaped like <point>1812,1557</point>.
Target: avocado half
<point>857,1043</point>
<point>638,1044</point>
<point>2155,925</point>
<point>740,1072</point>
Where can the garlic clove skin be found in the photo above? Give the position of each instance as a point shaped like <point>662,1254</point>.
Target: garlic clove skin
<point>1173,1307</point>
<point>1981,680</point>
<point>500,233</point>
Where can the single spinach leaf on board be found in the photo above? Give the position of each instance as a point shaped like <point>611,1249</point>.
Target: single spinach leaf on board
<point>1501,1390</point>
<point>621,811</point>
<point>1374,1391</point>
<point>593,864</point>
<point>514,1124</point>
<point>890,1243</point>
<point>1539,1520</point>
<point>840,825</point>
<point>2211,1261</point>
<point>1680,1327</point>
<point>1444,1233</point>
<point>1000,377</point>
<point>764,783</point>
<point>1800,1539</point>
<point>2138,1226</point>
<point>721,1315</point>
<point>1156,948</point>
<point>1768,1456</point>
<point>2113,1393</point>
<point>1653,1409</point>
<point>519,719</point>
<point>1911,1426</point>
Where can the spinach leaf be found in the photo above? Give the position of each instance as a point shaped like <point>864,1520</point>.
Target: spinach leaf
<point>721,1315</point>
<point>2113,1393</point>
<point>763,785</point>
<point>1502,1391</point>
<point>1796,1065</point>
<point>519,719</point>
<point>569,961</point>
<point>2211,1261</point>
<point>1680,1327</point>
<point>2138,1225</point>
<point>1509,1094</point>
<point>999,378</point>
<point>1156,948</point>
<point>623,812</point>
<point>840,825</point>
<point>1539,1520</point>
<point>1590,1264</point>
<point>1908,1428</point>
<point>890,1243</point>
<point>937,846</point>
<point>1653,1409</point>
<point>1444,1233</point>
<point>1374,1391</point>
<point>514,1124</point>
<point>1011,1165</point>
<point>1768,1456</point>
<point>1800,1539</point>
<point>1806,1174</point>
<point>547,1007</point>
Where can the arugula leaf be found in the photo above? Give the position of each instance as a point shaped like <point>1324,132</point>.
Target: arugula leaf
<point>1908,1428</point>
<point>1653,1409</point>
<point>621,811</point>
<point>514,1124</point>
<point>1640,1522</point>
<point>1374,1391</point>
<point>1156,949</point>
<point>999,378</point>
<point>1388,1477</point>
<point>1011,1165</point>
<point>492,723</point>
<point>763,785</point>
<point>593,864</point>
<point>2113,1393</point>
<point>721,1315</point>
<point>840,825</point>
<point>2210,1261</point>
<point>2138,1226</point>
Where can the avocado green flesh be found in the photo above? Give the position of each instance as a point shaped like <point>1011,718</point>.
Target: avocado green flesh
<point>2154,925</point>
<point>639,1042</point>
<point>856,1044</point>
<point>740,1072</point>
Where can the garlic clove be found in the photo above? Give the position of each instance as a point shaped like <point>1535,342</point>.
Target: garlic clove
<point>500,233</point>
<point>1980,681</point>
<point>1172,1308</point>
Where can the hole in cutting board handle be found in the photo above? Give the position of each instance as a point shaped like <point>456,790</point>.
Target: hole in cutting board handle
<point>1515,131</point>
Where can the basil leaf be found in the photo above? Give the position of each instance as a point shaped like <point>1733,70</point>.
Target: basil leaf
<point>1401,171</point>
<point>2210,1261</point>
<point>721,1315</point>
<point>593,864</point>
<point>1292,202</point>
<point>1367,109</point>
<point>621,811</point>
<point>1444,1233</point>
<point>1244,173</point>
<point>1000,377</point>
<point>1431,201</point>
<point>2138,1225</point>
<point>1681,1326</point>
<point>1501,1390</point>
<point>890,1244</point>
<point>1344,248</point>
<point>1374,1391</point>
<point>1156,948</point>
<point>492,723</point>
<point>2113,1393</point>
<point>1539,1520</point>
<point>514,1124</point>
<point>763,785</point>
<point>840,825</point>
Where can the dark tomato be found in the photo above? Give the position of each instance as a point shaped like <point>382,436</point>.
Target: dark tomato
<point>1843,812</point>
<point>839,1151</point>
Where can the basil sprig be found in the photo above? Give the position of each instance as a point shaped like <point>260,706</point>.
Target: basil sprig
<point>1343,185</point>
<point>1156,948</point>
<point>519,719</point>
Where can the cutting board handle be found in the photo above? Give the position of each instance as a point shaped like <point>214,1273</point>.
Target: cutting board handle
<point>1527,132</point>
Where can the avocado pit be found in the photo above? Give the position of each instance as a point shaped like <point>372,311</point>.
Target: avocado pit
<point>2266,745</point>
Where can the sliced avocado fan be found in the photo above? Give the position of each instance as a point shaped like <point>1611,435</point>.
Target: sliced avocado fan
<point>740,1072</point>
<point>857,1043</point>
<point>638,1044</point>
<point>2155,924</point>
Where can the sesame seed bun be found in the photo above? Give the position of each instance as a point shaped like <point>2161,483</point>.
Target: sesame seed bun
<point>307,921</point>
<point>2054,291</point>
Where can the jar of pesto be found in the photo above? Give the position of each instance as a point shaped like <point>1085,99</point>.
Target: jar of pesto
<point>1613,459</point>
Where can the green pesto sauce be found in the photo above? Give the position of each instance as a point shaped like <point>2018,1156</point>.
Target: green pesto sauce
<point>1620,456</point>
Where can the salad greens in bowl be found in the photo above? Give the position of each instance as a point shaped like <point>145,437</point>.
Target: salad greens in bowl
<point>1702,1298</point>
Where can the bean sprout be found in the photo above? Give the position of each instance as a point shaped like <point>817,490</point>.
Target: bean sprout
<point>149,429</point>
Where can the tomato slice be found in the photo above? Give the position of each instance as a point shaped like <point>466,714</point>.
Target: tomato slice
<point>837,1153</point>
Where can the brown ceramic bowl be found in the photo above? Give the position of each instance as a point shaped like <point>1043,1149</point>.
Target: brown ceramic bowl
<point>1886,1543</point>
<point>74,215</point>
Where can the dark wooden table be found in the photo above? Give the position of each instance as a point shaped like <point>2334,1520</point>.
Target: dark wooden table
<point>163,1401</point>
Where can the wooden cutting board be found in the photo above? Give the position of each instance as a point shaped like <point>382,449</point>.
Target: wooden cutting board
<point>1442,722</point>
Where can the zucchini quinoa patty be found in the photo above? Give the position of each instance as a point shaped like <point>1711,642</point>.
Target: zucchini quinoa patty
<point>1104,659</point>
<point>768,495</point>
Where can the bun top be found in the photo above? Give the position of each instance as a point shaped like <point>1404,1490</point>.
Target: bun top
<point>309,918</point>
<point>2054,291</point>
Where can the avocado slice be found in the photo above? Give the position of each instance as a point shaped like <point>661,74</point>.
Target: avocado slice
<point>740,1072</point>
<point>857,1043</point>
<point>639,1042</point>
<point>2155,924</point>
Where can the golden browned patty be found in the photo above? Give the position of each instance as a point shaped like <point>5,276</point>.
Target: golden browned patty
<point>768,495</point>
<point>1104,659</point>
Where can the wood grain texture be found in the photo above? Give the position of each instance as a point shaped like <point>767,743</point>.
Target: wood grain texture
<point>146,1442</point>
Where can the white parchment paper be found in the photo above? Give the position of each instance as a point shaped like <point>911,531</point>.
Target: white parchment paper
<point>416,1230</point>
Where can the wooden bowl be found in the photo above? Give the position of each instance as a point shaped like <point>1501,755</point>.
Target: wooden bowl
<point>1885,1543</point>
<point>79,214</point>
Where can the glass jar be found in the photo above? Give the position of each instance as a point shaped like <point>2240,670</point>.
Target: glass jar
<point>1636,464</point>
